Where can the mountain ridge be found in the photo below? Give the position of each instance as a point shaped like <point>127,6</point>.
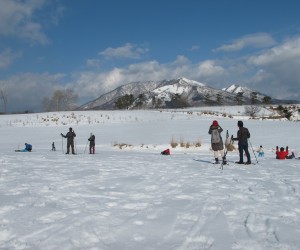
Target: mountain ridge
<point>175,93</point>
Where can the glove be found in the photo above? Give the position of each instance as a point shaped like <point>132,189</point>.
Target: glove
<point>61,134</point>
<point>276,147</point>
<point>287,148</point>
<point>231,137</point>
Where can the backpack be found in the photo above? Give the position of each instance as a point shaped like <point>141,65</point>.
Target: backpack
<point>165,152</point>
<point>215,136</point>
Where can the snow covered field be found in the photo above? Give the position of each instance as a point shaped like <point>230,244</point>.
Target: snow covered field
<point>135,198</point>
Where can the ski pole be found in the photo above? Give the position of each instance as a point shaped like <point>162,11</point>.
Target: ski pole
<point>75,146</point>
<point>253,150</point>
<point>62,145</point>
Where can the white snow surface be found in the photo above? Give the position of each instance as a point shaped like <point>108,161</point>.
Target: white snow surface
<point>135,198</point>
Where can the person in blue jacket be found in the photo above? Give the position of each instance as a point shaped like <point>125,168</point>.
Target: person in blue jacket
<point>27,148</point>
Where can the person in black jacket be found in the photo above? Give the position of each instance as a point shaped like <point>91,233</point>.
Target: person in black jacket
<point>242,137</point>
<point>70,140</point>
<point>92,143</point>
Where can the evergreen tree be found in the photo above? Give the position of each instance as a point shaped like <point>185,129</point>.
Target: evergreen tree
<point>239,98</point>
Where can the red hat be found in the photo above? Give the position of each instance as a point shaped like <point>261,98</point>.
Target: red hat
<point>215,123</point>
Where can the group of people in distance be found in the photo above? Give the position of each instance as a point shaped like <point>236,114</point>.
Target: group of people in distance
<point>243,135</point>
<point>70,141</point>
<point>217,146</point>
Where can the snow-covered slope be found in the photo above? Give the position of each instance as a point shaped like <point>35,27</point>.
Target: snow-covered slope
<point>190,93</point>
<point>131,197</point>
<point>234,89</point>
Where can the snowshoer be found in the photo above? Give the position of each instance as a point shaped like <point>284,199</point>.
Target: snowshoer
<point>70,140</point>
<point>165,152</point>
<point>92,143</point>
<point>216,141</point>
<point>242,137</point>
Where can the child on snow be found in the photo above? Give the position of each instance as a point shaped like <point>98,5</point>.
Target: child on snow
<point>282,155</point>
<point>260,151</point>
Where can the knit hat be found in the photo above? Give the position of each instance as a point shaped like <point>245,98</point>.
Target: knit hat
<point>215,123</point>
<point>240,124</point>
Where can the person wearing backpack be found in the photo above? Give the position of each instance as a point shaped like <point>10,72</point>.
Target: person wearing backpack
<point>242,137</point>
<point>216,141</point>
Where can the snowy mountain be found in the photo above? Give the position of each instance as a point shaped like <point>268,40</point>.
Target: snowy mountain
<point>176,93</point>
<point>235,89</point>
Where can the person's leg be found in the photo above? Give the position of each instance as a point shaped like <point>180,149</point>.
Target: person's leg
<point>247,153</point>
<point>94,149</point>
<point>216,156</point>
<point>72,146</point>
<point>241,154</point>
<point>68,147</point>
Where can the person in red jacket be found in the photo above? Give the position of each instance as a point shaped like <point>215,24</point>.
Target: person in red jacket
<point>281,155</point>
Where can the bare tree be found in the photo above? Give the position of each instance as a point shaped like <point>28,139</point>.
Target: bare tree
<point>252,110</point>
<point>69,99</point>
<point>61,100</point>
<point>4,97</point>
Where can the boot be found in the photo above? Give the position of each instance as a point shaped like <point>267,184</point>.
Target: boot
<point>216,161</point>
<point>224,160</point>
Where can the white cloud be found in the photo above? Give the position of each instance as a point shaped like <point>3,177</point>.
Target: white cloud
<point>7,57</point>
<point>26,91</point>
<point>289,51</point>
<point>194,48</point>
<point>127,51</point>
<point>17,19</point>
<point>258,40</point>
<point>210,68</point>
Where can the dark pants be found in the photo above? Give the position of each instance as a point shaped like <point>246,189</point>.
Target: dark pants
<point>92,149</point>
<point>70,144</point>
<point>244,147</point>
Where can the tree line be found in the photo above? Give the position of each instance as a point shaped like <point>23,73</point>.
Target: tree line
<point>178,101</point>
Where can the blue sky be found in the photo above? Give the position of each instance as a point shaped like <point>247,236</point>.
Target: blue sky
<point>95,46</point>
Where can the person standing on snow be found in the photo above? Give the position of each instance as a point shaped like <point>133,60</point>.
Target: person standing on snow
<point>260,151</point>
<point>242,137</point>
<point>70,140</point>
<point>92,143</point>
<point>53,147</point>
<point>216,141</point>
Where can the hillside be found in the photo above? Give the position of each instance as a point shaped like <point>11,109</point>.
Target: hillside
<point>177,93</point>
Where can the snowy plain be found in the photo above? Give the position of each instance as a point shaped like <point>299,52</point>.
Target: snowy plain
<point>131,197</point>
